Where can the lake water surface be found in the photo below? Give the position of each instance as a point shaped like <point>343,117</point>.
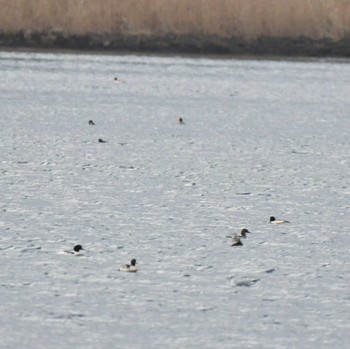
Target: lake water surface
<point>260,139</point>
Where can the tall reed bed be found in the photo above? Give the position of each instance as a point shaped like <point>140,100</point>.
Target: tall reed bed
<point>247,19</point>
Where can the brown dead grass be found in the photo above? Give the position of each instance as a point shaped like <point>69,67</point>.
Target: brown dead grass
<point>243,18</point>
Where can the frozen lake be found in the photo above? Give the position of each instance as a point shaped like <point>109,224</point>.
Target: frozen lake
<point>260,139</point>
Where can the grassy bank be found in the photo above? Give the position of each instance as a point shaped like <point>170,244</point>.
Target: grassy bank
<point>223,25</point>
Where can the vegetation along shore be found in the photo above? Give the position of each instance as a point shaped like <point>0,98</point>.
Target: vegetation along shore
<point>259,27</point>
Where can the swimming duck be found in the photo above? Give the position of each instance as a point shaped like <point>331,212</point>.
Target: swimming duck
<point>100,140</point>
<point>244,232</point>
<point>130,268</point>
<point>118,80</point>
<point>181,121</point>
<point>236,241</point>
<point>75,252</point>
<point>91,122</point>
<point>273,220</point>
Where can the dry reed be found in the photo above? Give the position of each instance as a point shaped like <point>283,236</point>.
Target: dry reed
<point>248,19</point>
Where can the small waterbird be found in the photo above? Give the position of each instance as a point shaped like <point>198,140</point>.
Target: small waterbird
<point>273,220</point>
<point>75,252</point>
<point>181,121</point>
<point>130,268</point>
<point>118,80</point>
<point>91,122</point>
<point>244,232</point>
<point>100,140</point>
<point>236,241</point>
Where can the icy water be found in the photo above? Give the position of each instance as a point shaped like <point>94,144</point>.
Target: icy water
<point>260,139</point>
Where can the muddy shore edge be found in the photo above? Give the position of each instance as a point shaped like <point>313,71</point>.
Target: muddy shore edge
<point>186,44</point>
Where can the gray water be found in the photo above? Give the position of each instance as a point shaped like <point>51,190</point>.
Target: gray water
<point>260,139</point>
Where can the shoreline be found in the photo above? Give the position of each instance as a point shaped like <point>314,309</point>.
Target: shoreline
<point>180,44</point>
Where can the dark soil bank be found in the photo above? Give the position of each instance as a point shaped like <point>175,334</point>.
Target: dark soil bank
<point>301,46</point>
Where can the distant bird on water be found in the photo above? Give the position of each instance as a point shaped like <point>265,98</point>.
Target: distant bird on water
<point>181,121</point>
<point>91,122</point>
<point>100,140</point>
<point>117,80</point>
<point>273,220</point>
<point>236,241</point>
<point>130,268</point>
<point>75,252</point>
<point>244,232</point>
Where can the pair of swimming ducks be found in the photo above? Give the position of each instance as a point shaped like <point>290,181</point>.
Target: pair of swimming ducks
<point>236,240</point>
<point>100,140</point>
<point>130,268</point>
